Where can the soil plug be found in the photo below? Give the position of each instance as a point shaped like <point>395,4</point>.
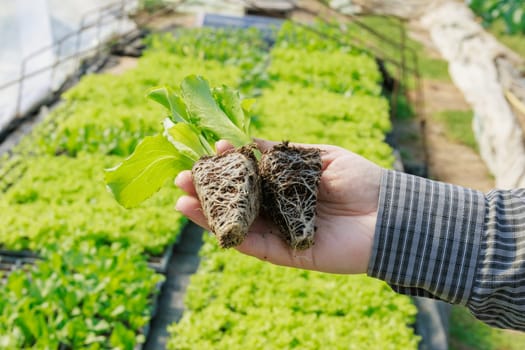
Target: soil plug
<point>229,189</point>
<point>289,180</point>
<point>228,185</point>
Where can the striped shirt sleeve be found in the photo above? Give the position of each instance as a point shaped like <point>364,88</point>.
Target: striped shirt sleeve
<point>498,294</point>
<point>455,244</point>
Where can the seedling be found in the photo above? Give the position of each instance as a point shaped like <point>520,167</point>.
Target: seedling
<point>228,185</point>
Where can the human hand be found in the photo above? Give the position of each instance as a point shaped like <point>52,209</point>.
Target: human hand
<point>346,215</point>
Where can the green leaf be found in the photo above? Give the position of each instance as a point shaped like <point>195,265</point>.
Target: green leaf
<point>121,337</point>
<point>206,145</point>
<point>118,310</point>
<point>230,102</point>
<point>143,173</point>
<point>185,138</point>
<point>205,113</point>
<point>171,101</point>
<point>101,326</point>
<point>247,105</point>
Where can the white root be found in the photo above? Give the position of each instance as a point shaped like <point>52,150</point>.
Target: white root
<point>228,187</point>
<point>290,179</point>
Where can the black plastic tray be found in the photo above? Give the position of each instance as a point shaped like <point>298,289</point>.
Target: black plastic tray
<point>160,263</point>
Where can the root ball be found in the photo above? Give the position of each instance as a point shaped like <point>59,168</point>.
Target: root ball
<point>228,187</point>
<point>289,179</point>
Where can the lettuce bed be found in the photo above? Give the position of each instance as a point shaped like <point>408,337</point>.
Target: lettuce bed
<point>64,197</point>
<point>237,302</point>
<point>83,298</point>
<point>93,288</point>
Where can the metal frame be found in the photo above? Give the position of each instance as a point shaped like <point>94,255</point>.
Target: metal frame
<point>103,12</point>
<point>407,54</point>
<point>357,43</point>
<point>11,261</point>
<point>103,15</point>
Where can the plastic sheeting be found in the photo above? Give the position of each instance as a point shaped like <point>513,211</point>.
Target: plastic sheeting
<point>45,39</point>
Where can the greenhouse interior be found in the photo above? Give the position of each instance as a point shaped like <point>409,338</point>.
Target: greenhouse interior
<point>111,113</point>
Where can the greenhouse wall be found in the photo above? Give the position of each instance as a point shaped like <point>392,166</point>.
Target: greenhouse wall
<point>64,32</point>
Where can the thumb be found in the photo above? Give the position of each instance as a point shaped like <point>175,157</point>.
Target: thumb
<point>222,146</point>
<point>264,145</point>
<point>267,247</point>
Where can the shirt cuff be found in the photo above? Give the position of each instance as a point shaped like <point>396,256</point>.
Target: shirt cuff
<point>427,237</point>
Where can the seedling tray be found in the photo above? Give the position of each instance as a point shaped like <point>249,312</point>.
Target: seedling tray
<point>12,261</point>
<point>153,312</point>
<point>160,263</point>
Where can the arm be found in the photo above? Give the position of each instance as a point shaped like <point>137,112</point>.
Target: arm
<point>455,244</point>
<point>423,237</point>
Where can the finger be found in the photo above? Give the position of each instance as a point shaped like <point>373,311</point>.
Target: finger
<point>222,146</point>
<point>191,208</point>
<point>185,183</point>
<point>264,145</point>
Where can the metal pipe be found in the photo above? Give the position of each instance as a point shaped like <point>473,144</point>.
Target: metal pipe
<point>20,90</point>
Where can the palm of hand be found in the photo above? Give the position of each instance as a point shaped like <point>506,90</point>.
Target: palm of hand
<point>346,216</point>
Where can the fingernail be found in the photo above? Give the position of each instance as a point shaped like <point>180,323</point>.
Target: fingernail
<point>175,182</point>
<point>177,205</point>
<point>219,144</point>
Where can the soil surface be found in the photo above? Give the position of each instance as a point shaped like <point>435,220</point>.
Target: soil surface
<point>447,161</point>
<point>450,161</point>
<point>120,64</point>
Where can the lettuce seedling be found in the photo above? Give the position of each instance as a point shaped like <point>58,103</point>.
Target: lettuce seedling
<point>227,185</point>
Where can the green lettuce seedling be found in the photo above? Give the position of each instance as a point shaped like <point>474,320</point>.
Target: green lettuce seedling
<point>227,185</point>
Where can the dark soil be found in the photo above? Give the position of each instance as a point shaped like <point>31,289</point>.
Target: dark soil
<point>290,178</point>
<point>228,187</point>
